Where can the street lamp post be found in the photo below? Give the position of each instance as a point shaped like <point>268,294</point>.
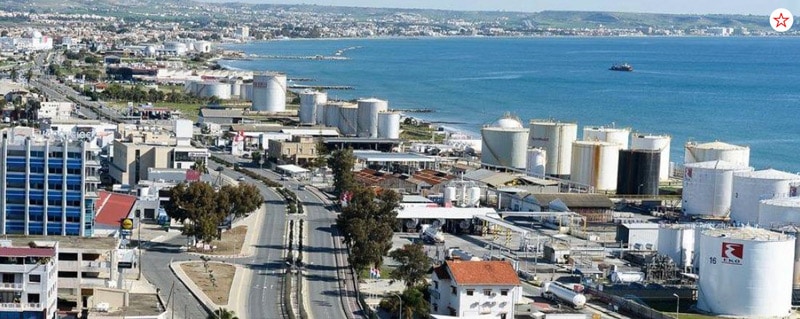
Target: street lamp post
<point>677,306</point>
<point>401,304</point>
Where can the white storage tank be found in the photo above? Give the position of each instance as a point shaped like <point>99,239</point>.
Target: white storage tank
<point>269,92</point>
<point>474,196</point>
<point>659,143</point>
<point>504,143</point>
<point>607,134</point>
<point>751,187</point>
<point>236,89</point>
<point>596,164</point>
<point>247,92</point>
<point>449,195</point>
<point>537,162</point>
<point>779,211</point>
<point>368,110</point>
<point>556,139</point>
<point>310,104</point>
<point>708,187</point>
<point>716,151</point>
<point>677,242</point>
<point>347,119</point>
<point>745,272</point>
<point>331,111</point>
<point>389,125</point>
<point>218,89</point>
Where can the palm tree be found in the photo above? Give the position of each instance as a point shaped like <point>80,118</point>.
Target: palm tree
<point>223,313</point>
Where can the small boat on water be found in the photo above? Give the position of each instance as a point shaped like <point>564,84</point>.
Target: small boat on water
<point>622,67</point>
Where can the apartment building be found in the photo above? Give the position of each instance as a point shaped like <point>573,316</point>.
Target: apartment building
<point>300,150</point>
<point>49,185</point>
<point>29,286</point>
<point>488,289</point>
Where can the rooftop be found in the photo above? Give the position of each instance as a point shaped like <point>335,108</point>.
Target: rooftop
<point>26,252</point>
<point>783,202</point>
<point>66,242</point>
<point>370,156</point>
<point>716,145</point>
<point>433,177</point>
<point>112,208</point>
<point>721,165</point>
<point>444,212</point>
<point>748,233</point>
<point>482,272</point>
<point>221,113</point>
<point>769,174</point>
<point>575,200</point>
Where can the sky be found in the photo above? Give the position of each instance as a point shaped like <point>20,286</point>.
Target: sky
<point>755,7</point>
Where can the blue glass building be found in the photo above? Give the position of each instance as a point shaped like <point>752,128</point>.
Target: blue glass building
<point>49,186</point>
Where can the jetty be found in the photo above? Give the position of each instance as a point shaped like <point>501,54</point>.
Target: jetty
<point>322,87</point>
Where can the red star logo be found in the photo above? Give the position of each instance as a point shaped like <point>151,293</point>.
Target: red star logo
<point>781,23</point>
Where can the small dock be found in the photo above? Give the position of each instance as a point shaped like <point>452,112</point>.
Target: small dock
<point>322,87</point>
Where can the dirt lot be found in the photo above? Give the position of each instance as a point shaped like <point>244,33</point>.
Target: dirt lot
<point>231,243</point>
<point>224,278</point>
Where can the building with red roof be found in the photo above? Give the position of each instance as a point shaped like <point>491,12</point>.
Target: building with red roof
<point>111,209</point>
<point>475,288</point>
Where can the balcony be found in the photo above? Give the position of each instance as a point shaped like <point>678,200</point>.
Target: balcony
<point>89,265</point>
<point>33,305</point>
<point>10,306</point>
<point>11,286</point>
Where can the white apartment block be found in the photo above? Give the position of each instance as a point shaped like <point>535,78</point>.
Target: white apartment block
<point>55,110</point>
<point>486,289</point>
<point>29,286</point>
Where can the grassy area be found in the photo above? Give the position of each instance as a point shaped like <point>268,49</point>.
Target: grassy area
<point>189,110</point>
<point>385,273</point>
<point>419,133</point>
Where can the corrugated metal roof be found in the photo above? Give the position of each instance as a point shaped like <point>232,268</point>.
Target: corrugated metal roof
<point>489,177</point>
<point>221,113</point>
<point>575,200</point>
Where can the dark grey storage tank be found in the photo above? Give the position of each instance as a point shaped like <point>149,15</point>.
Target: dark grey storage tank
<point>638,172</point>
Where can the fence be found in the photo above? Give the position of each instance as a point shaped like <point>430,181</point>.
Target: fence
<point>627,306</point>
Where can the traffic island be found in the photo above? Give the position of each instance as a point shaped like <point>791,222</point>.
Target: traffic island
<point>212,279</point>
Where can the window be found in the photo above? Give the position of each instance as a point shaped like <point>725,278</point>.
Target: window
<point>453,289</point>
<point>56,154</point>
<point>504,292</point>
<point>487,292</point>
<point>435,307</point>
<point>33,298</point>
<point>470,292</point>
<point>435,285</point>
<point>35,278</point>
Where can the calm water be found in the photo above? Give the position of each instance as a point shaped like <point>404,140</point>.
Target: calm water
<point>737,90</point>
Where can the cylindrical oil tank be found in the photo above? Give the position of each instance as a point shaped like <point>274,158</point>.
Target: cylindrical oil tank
<point>751,187</point>
<point>607,134</point>
<point>779,211</point>
<point>449,194</point>
<point>504,143</point>
<point>368,110</point>
<point>389,125</point>
<point>474,197</point>
<point>638,172</point>
<point>537,162</point>
<point>322,100</point>
<point>556,139</point>
<point>236,89</point>
<point>310,104</point>
<point>269,92</point>
<point>348,118</point>
<point>247,92</point>
<point>595,163</point>
<point>677,242</point>
<point>708,187</point>
<point>331,110</point>
<point>716,151</point>
<point>745,272</point>
<point>794,231</point>
<point>218,89</point>
<point>659,143</point>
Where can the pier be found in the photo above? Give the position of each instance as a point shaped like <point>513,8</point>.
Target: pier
<point>422,110</point>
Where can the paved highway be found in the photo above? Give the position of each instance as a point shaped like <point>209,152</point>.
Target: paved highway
<point>323,286</point>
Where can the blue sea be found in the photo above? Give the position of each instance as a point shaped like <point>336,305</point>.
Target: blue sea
<point>738,90</point>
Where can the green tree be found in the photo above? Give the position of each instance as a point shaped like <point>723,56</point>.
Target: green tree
<point>29,75</point>
<point>368,223</point>
<point>91,59</point>
<point>222,313</point>
<point>201,209</point>
<point>256,156</point>
<point>415,305</point>
<point>200,166</point>
<point>14,74</point>
<point>341,163</point>
<point>414,264</point>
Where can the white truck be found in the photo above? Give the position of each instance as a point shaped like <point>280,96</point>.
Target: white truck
<point>557,291</point>
<point>430,234</point>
